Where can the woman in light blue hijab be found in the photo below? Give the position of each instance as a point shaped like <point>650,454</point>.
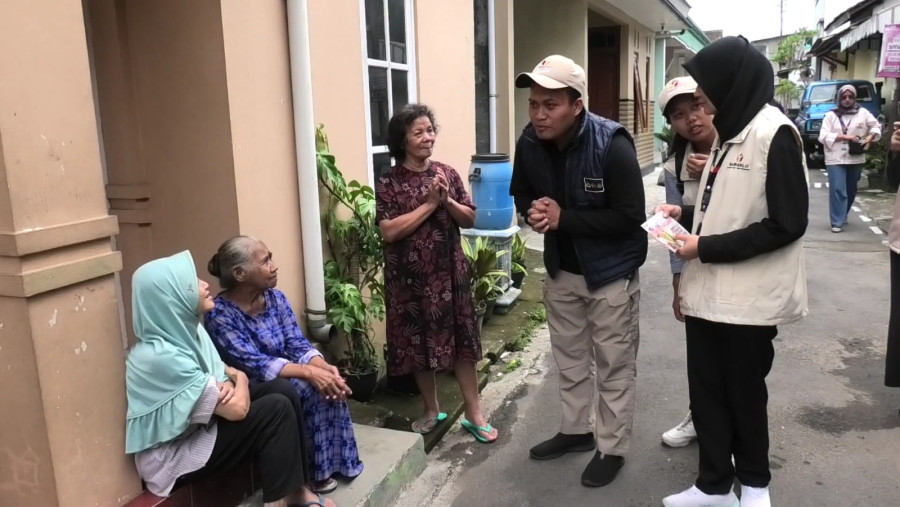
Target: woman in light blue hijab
<point>190,416</point>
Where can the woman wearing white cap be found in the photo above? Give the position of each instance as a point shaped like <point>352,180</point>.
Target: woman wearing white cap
<point>691,145</point>
<point>847,131</point>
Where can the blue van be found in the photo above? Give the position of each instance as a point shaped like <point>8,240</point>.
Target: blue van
<point>821,97</point>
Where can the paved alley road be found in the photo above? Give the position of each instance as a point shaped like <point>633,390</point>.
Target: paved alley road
<point>835,432</point>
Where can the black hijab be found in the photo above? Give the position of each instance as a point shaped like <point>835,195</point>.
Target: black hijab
<point>738,80</point>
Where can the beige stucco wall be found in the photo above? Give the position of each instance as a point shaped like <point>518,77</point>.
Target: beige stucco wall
<point>257,70</point>
<point>544,28</point>
<point>61,361</point>
<point>213,129</point>
<point>445,55</point>
<point>164,107</point>
<point>504,21</point>
<point>181,94</point>
<point>337,68</point>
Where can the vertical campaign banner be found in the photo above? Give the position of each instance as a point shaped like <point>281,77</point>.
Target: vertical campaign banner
<point>889,65</point>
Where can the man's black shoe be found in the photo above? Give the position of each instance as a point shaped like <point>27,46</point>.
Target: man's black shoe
<point>561,444</point>
<point>601,470</point>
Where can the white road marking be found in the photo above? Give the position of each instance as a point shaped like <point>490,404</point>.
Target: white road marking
<point>855,208</point>
<point>824,173</point>
<point>876,230</point>
<point>818,185</point>
<point>827,185</point>
<point>865,218</point>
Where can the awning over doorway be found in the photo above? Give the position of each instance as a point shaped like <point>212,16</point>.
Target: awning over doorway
<point>829,43</point>
<point>860,32</point>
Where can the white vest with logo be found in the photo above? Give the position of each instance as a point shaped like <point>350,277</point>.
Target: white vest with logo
<point>765,290</point>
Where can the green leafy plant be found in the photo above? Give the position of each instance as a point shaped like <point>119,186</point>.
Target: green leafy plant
<point>536,318</point>
<point>876,161</point>
<point>665,135</point>
<point>517,253</point>
<point>791,52</point>
<point>486,277</point>
<point>354,288</point>
<point>538,315</point>
<point>512,365</point>
<point>787,91</point>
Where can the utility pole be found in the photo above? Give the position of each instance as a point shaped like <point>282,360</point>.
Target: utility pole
<point>781,12</point>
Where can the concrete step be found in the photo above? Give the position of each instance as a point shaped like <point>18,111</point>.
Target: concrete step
<point>392,460</point>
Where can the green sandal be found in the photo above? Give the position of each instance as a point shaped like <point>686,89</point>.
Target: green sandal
<point>476,431</point>
<point>423,426</point>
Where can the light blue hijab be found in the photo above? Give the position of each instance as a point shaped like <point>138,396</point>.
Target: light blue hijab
<point>168,369</point>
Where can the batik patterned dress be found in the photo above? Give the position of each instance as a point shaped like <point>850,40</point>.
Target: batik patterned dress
<point>260,346</point>
<point>430,312</point>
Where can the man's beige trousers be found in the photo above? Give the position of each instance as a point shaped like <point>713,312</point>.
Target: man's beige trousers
<point>595,331</point>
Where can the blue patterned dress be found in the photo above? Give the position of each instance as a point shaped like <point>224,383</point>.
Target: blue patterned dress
<point>260,346</point>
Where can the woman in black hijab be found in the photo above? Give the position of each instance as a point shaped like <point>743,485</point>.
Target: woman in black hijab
<point>744,272</point>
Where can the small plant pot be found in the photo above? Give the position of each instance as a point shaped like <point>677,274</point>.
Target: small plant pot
<point>479,316</point>
<point>489,310</point>
<point>517,279</point>
<point>362,384</point>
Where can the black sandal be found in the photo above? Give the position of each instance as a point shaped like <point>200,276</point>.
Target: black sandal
<point>324,487</point>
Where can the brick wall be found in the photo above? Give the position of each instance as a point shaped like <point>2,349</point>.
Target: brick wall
<point>643,140</point>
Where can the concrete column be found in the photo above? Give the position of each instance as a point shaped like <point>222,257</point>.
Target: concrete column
<point>61,347</point>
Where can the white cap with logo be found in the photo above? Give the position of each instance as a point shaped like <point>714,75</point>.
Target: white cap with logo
<point>674,88</point>
<point>555,72</point>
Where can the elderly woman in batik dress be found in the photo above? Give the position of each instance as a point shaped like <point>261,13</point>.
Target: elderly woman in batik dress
<point>255,330</point>
<point>421,204</point>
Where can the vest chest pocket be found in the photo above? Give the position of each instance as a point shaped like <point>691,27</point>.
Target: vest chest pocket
<point>590,193</point>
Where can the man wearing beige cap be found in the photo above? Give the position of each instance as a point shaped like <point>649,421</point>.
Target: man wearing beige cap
<point>577,180</point>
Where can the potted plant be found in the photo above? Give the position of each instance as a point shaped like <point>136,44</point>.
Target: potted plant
<point>517,254</point>
<point>354,289</point>
<point>485,275</point>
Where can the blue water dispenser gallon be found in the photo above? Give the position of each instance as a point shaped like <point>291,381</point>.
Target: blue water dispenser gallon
<point>489,177</point>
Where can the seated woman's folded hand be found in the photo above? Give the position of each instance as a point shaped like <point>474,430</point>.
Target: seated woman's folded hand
<point>328,383</point>
<point>237,405</point>
<point>226,391</point>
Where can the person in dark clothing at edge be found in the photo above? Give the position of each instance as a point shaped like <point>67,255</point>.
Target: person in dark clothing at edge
<point>577,180</point>
<point>744,273</point>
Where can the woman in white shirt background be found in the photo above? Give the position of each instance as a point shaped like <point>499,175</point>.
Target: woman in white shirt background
<point>844,126</point>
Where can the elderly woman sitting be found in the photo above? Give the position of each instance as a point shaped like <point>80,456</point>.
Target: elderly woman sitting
<point>255,330</point>
<point>189,416</point>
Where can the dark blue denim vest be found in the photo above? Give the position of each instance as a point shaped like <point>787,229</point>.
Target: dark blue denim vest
<point>602,260</point>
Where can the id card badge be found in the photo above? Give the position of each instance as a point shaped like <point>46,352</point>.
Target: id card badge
<point>844,146</point>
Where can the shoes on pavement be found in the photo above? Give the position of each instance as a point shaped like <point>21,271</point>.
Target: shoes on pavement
<point>601,470</point>
<point>836,229</point>
<point>755,497</point>
<point>681,435</point>
<point>561,444</point>
<point>693,497</point>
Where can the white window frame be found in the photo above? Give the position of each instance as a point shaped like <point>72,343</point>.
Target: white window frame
<point>409,68</point>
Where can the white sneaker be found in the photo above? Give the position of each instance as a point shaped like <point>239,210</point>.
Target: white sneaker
<point>681,435</point>
<point>755,497</point>
<point>693,497</point>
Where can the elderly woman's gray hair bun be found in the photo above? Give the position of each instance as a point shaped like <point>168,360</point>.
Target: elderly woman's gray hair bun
<point>234,253</point>
<point>213,266</point>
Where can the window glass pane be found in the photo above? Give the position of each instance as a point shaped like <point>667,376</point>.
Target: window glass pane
<point>399,89</point>
<point>397,27</point>
<point>375,29</point>
<point>381,162</point>
<point>378,104</point>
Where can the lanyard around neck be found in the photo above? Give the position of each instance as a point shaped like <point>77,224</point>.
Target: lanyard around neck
<point>710,181</point>
<point>844,127</point>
